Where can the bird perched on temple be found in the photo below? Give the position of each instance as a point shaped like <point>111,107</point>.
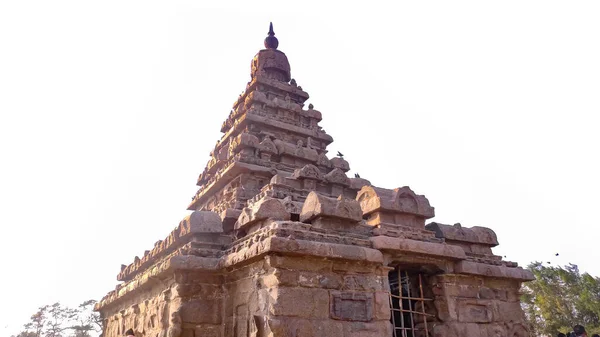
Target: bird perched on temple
<point>356,175</point>
<point>310,106</point>
<point>339,154</point>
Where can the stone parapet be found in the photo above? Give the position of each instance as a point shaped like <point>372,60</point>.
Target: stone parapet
<point>457,233</point>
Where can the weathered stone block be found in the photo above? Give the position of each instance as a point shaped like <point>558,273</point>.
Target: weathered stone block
<point>206,330</point>
<point>297,327</point>
<point>508,311</point>
<point>363,282</point>
<point>299,302</point>
<point>201,311</point>
<point>351,306</point>
<point>487,293</point>
<point>474,311</point>
<point>280,277</point>
<point>320,280</point>
<point>446,309</point>
<point>363,329</point>
<point>201,222</point>
<point>382,305</point>
<point>299,263</point>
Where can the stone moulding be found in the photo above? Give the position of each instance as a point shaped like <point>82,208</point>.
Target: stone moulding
<point>414,247</point>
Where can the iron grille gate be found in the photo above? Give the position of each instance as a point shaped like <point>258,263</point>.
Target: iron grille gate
<point>408,304</point>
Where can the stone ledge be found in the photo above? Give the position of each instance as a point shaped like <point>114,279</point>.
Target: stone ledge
<point>418,247</point>
<point>327,250</point>
<point>304,248</point>
<point>474,268</point>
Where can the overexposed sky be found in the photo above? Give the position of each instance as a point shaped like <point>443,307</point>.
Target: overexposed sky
<point>109,109</point>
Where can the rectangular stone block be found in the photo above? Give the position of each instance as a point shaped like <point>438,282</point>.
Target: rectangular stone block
<point>300,302</point>
<point>201,311</point>
<point>446,309</point>
<point>351,306</point>
<point>320,280</point>
<point>206,330</point>
<point>508,311</point>
<point>363,282</point>
<point>363,329</point>
<point>474,311</point>
<point>298,327</point>
<point>382,306</point>
<point>281,277</point>
<point>299,263</point>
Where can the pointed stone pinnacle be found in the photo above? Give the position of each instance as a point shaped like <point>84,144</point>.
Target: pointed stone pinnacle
<point>271,41</point>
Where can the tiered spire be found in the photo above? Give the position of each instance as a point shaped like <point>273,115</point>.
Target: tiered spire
<point>269,133</point>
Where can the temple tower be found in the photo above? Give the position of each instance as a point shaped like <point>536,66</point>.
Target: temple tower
<point>268,133</point>
<point>281,242</point>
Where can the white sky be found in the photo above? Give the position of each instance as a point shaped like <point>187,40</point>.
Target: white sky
<point>109,109</point>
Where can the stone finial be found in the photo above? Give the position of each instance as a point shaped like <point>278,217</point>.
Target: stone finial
<point>271,41</point>
<point>399,207</point>
<point>267,208</point>
<point>201,222</point>
<point>270,62</point>
<point>317,205</point>
<point>398,200</point>
<point>341,163</point>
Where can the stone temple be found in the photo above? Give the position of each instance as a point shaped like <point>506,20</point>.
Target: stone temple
<point>281,242</point>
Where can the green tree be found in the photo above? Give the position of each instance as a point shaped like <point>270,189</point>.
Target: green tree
<point>37,322</point>
<point>87,320</point>
<point>561,297</point>
<point>57,320</point>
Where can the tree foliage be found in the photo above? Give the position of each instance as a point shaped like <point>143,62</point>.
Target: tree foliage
<point>56,320</point>
<point>561,297</point>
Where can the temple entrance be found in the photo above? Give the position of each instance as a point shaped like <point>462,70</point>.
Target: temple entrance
<point>408,303</point>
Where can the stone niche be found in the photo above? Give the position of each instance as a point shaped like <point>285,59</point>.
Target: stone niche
<point>282,243</point>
